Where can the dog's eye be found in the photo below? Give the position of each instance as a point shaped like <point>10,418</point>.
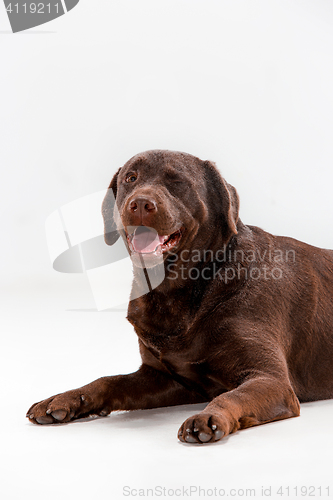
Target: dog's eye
<point>131,177</point>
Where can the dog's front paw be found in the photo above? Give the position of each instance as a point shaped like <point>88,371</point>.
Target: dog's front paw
<point>60,408</point>
<point>202,428</point>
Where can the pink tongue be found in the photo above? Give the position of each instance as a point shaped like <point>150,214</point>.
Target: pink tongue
<point>146,239</point>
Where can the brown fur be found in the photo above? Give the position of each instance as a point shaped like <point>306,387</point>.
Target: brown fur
<point>253,346</point>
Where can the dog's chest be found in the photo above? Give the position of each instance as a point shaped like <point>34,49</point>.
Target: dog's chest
<point>161,332</point>
<point>162,325</point>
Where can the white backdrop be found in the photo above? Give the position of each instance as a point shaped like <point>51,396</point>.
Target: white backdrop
<point>245,83</point>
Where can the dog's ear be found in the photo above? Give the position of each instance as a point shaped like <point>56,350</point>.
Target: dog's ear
<point>111,234</point>
<point>225,200</point>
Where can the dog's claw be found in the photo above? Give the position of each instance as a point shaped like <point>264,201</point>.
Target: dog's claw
<point>180,437</point>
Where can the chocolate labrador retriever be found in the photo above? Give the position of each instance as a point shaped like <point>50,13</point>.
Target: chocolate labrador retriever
<point>243,319</point>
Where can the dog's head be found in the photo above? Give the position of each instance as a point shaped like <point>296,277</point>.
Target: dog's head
<point>184,200</point>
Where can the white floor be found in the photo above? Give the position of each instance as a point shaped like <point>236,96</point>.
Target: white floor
<point>53,340</point>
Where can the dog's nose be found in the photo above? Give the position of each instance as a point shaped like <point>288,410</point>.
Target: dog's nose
<point>142,206</point>
<point>141,210</point>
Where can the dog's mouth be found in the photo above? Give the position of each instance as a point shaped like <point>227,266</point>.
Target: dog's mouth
<point>146,240</point>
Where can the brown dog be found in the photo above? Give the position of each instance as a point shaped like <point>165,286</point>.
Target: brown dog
<point>242,320</point>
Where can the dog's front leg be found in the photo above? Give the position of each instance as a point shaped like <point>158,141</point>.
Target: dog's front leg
<point>146,388</point>
<point>259,400</point>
